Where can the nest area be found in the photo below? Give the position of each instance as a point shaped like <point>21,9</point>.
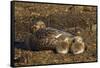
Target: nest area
<point>61,17</point>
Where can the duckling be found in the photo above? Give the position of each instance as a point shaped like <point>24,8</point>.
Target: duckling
<point>78,45</point>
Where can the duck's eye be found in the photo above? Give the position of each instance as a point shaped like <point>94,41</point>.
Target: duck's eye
<point>73,41</point>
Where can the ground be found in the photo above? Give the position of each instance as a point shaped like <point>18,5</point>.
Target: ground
<point>61,17</point>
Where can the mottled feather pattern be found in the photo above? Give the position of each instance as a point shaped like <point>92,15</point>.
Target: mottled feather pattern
<point>45,39</point>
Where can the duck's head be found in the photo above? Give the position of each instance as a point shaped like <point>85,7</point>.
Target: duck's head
<point>38,25</point>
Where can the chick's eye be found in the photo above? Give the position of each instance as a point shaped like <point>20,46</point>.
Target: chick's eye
<point>73,41</point>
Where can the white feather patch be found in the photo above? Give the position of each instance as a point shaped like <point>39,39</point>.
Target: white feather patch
<point>80,51</point>
<point>66,39</point>
<point>58,36</point>
<point>65,51</point>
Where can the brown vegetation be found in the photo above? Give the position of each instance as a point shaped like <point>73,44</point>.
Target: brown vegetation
<point>60,17</point>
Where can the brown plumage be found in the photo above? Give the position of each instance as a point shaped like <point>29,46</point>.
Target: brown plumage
<point>50,38</point>
<point>44,38</point>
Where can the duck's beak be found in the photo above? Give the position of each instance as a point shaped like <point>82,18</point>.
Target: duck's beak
<point>33,28</point>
